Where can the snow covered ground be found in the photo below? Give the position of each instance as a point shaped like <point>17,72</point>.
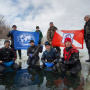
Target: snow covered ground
<point>85,72</point>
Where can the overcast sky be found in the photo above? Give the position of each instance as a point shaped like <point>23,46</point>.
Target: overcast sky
<point>27,14</point>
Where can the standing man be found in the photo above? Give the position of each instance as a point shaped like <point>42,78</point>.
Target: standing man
<point>87,34</point>
<point>50,34</point>
<point>10,34</point>
<point>40,34</point>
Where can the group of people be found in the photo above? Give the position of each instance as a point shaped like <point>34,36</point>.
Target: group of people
<point>52,54</point>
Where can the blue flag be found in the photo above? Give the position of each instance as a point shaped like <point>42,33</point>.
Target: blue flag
<point>22,39</point>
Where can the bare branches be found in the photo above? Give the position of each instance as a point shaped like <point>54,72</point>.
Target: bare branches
<point>4,28</point>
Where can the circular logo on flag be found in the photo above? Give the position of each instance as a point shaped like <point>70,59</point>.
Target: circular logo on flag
<point>24,39</point>
<point>70,35</point>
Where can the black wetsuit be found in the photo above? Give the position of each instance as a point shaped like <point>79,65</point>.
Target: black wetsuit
<point>7,55</point>
<point>31,50</point>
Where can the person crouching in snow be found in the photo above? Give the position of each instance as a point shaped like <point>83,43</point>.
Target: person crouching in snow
<point>33,53</point>
<point>70,59</point>
<point>51,56</point>
<point>7,57</point>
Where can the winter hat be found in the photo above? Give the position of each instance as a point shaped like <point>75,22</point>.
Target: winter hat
<point>37,27</point>
<point>31,41</point>
<point>51,22</point>
<point>87,16</point>
<point>14,26</point>
<point>6,41</point>
<point>47,43</point>
<point>67,39</point>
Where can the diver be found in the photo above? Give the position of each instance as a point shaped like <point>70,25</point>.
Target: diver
<point>33,53</point>
<point>7,57</point>
<point>50,57</point>
<point>70,60</point>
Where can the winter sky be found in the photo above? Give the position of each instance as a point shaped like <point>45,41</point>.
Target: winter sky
<point>27,14</point>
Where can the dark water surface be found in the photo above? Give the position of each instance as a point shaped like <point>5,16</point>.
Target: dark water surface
<point>35,78</point>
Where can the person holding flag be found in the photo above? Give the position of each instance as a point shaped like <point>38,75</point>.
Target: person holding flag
<point>70,60</point>
<point>10,34</point>
<point>40,34</point>
<point>87,34</point>
<point>50,34</point>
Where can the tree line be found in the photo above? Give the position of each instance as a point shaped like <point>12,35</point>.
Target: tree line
<point>4,28</point>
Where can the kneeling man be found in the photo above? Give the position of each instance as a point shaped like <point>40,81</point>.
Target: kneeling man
<point>7,57</point>
<point>70,59</point>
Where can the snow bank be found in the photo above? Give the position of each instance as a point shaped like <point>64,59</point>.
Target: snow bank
<point>2,42</point>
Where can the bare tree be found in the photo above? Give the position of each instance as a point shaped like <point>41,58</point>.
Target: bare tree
<point>4,28</point>
<point>44,39</point>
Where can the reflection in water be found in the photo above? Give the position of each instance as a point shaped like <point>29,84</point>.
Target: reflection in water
<point>7,79</point>
<point>28,77</point>
<point>36,75</point>
<point>35,78</point>
<point>69,82</point>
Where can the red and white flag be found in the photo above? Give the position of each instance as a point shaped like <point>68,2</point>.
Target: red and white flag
<point>77,37</point>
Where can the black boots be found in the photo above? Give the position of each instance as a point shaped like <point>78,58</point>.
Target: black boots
<point>19,52</point>
<point>88,59</point>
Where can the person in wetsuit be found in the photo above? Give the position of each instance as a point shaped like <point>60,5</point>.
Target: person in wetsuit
<point>7,57</point>
<point>70,60</point>
<point>33,53</point>
<point>50,55</point>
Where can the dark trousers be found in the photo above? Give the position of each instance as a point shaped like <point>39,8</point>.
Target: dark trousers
<point>19,51</point>
<point>58,49</point>
<point>74,69</point>
<point>55,68</point>
<point>32,60</point>
<point>14,66</point>
<point>88,45</point>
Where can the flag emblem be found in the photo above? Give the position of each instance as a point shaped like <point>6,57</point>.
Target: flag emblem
<point>65,35</point>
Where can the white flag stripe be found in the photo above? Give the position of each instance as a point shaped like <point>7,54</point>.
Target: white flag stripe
<point>59,32</point>
<point>75,43</point>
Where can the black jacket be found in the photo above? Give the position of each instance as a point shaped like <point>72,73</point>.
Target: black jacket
<point>10,34</point>
<point>87,30</point>
<point>7,54</point>
<point>32,49</point>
